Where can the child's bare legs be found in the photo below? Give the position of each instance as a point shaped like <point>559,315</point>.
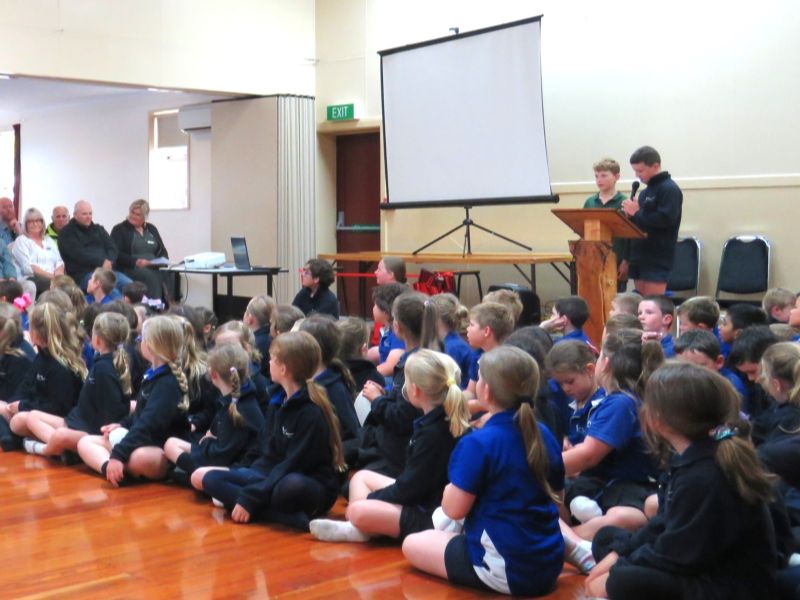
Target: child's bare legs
<point>425,550</point>
<point>198,474</point>
<point>364,482</point>
<point>375,517</point>
<point>626,517</point>
<point>174,447</point>
<point>63,439</point>
<point>19,424</point>
<point>148,462</point>
<point>4,410</point>
<point>94,450</point>
<point>651,506</point>
<point>42,424</point>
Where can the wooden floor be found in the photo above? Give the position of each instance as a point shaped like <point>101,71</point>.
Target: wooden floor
<point>67,533</point>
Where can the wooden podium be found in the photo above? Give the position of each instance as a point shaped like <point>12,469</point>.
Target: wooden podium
<point>596,264</point>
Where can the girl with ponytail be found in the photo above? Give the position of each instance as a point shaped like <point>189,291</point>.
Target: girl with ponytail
<point>611,470</point>
<point>302,465</point>
<point>503,480</point>
<point>104,398</point>
<point>235,428</point>
<point>381,505</point>
<point>133,446</point>
<point>780,378</point>
<point>712,536</point>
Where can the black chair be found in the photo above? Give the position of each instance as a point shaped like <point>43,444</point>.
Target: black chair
<point>531,306</point>
<point>685,274</point>
<point>744,266</point>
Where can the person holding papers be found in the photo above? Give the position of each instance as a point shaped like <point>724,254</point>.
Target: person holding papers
<point>141,249</point>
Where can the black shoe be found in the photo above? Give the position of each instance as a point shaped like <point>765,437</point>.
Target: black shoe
<point>9,443</point>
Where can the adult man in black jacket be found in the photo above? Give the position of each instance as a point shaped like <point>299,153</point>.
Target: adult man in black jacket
<point>657,211</point>
<point>85,245</point>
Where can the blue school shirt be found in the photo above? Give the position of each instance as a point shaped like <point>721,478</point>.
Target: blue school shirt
<point>105,300</point>
<point>577,424</point>
<point>735,380</point>
<point>512,531</point>
<point>615,421</point>
<point>459,350</point>
<point>388,342</point>
<point>474,370</point>
<point>668,346</point>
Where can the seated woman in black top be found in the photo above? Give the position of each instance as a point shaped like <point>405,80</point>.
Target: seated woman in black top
<point>314,296</point>
<point>139,243</point>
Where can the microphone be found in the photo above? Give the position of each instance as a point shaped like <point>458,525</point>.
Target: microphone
<point>634,189</point>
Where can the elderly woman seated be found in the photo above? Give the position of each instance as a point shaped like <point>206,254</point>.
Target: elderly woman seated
<point>37,254</point>
<point>139,244</point>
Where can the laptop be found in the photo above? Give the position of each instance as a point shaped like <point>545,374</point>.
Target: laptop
<point>241,258</point>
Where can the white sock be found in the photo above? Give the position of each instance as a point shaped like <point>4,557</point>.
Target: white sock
<point>217,503</point>
<point>584,509</point>
<point>33,446</point>
<point>580,555</point>
<point>328,530</point>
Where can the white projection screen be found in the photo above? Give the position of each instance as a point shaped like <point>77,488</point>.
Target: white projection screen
<point>463,119</point>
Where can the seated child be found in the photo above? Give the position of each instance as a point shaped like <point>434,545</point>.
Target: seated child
<point>381,505</point>
<point>736,318</point>
<point>780,378</point>
<point>239,334</point>
<point>611,465</point>
<point>503,480</point>
<point>777,304</point>
<point>569,316</point>
<point>104,397</point>
<point>746,354</point>
<point>391,269</point>
<point>508,298</point>
<point>258,317</point>
<point>390,347</point>
<point>625,303</point>
<point>299,471</point>
<point>15,360</point>
<point>286,316</point>
<point>701,348</point>
<point>657,314</point>
<point>699,312</point>
<point>621,321</point>
<point>453,318</point>
<point>353,351</point>
<point>314,295</point>
<point>134,292</point>
<point>712,536</point>
<point>490,323</point>
<point>236,426</point>
<point>100,285</point>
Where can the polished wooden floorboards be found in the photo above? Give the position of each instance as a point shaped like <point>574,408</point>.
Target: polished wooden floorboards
<point>66,533</point>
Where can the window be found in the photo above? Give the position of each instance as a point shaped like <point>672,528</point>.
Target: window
<point>169,162</point>
<point>7,163</point>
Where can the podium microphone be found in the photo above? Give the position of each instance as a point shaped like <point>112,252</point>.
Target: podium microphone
<point>634,189</point>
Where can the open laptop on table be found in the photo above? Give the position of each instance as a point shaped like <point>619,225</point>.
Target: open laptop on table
<point>241,258</point>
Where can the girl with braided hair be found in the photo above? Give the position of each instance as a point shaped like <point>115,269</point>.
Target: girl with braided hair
<point>235,429</point>
<point>134,445</point>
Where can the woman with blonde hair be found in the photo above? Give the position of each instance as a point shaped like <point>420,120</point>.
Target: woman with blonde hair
<point>35,253</point>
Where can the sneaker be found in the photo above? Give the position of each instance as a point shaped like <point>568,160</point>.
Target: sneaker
<point>32,446</point>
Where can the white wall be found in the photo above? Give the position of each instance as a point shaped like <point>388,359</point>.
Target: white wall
<point>249,46</point>
<point>99,152</point>
<point>713,85</point>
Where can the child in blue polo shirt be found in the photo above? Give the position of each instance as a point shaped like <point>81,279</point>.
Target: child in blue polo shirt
<point>702,348</point>
<point>453,318</point>
<point>656,314</point>
<point>100,286</point>
<point>490,323</point>
<point>503,480</point>
<point>611,465</point>
<point>390,347</point>
<point>569,316</point>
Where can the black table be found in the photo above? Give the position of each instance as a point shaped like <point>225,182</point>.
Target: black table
<point>224,303</point>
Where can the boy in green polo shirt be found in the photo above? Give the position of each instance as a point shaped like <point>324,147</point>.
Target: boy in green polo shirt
<point>606,175</point>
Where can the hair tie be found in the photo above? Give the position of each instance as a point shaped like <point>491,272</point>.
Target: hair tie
<point>232,370</point>
<point>23,302</point>
<point>723,432</point>
<point>120,346</point>
<point>450,382</point>
<point>427,303</point>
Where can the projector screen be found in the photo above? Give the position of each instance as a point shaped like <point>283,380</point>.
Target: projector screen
<point>463,119</point>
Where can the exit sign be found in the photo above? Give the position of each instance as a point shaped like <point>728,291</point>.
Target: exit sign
<point>341,112</point>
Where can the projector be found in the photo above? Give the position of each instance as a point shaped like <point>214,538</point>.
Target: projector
<point>205,260</point>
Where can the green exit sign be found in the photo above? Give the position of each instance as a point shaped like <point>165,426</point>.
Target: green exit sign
<point>341,112</point>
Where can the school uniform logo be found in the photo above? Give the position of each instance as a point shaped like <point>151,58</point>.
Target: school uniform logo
<point>40,377</point>
<point>286,432</point>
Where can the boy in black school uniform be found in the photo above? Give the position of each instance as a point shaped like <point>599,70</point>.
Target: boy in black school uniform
<point>656,314</point>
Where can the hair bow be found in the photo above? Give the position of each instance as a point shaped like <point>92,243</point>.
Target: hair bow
<point>723,432</point>
<point>23,302</point>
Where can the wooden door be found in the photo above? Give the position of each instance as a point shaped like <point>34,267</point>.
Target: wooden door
<point>358,201</point>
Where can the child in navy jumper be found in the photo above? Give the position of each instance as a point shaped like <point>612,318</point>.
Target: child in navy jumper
<point>503,480</point>
<point>611,465</point>
<point>134,445</point>
<point>353,351</point>
<point>15,359</point>
<point>390,422</point>
<point>712,536</point>
<point>237,423</point>
<point>104,397</point>
<point>258,317</point>
<point>300,469</point>
<point>657,314</point>
<point>381,505</point>
<point>236,332</point>
<point>54,381</point>
<point>453,319</point>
